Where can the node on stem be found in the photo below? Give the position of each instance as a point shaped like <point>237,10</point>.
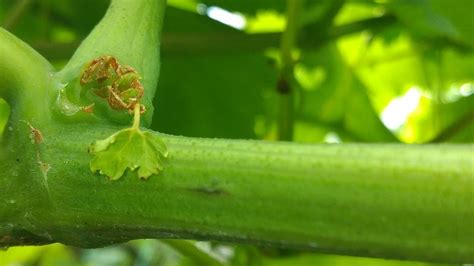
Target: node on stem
<point>119,84</point>
<point>130,148</point>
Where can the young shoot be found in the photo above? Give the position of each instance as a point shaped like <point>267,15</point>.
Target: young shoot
<point>130,148</point>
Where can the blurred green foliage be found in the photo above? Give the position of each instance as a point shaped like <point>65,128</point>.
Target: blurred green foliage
<point>157,253</point>
<point>366,71</point>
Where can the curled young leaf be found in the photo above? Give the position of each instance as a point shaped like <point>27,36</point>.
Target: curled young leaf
<point>119,84</point>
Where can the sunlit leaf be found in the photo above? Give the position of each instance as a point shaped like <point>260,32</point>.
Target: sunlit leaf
<point>340,99</point>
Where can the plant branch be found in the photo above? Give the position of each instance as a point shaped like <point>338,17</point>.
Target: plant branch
<point>286,79</point>
<point>392,201</point>
<point>25,77</point>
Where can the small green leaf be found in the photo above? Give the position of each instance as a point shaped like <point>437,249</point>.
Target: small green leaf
<point>128,148</point>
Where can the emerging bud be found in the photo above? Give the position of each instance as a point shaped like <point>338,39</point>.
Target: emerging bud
<point>119,84</point>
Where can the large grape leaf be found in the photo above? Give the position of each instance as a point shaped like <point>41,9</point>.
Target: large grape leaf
<point>389,70</point>
<point>209,93</point>
<point>212,95</point>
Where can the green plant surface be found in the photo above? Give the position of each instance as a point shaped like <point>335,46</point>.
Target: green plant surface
<point>243,191</point>
<point>381,200</point>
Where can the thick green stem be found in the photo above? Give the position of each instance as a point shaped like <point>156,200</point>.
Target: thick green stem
<point>391,201</point>
<point>25,79</point>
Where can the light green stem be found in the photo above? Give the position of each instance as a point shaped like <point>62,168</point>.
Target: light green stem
<point>136,117</point>
<point>22,67</point>
<point>391,201</point>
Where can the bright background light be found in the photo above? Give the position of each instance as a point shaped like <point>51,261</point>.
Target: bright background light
<point>398,110</point>
<point>234,20</point>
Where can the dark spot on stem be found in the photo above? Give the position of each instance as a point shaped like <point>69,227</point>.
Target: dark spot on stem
<point>210,191</point>
<point>283,87</point>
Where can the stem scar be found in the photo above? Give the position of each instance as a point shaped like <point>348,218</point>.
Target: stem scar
<point>37,138</point>
<point>35,134</point>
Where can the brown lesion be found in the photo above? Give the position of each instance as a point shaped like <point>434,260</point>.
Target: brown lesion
<point>88,109</point>
<point>37,139</point>
<point>119,84</point>
<point>35,134</point>
<point>100,69</point>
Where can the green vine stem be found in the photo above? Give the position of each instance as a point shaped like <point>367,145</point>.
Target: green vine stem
<point>390,201</point>
<point>25,77</point>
